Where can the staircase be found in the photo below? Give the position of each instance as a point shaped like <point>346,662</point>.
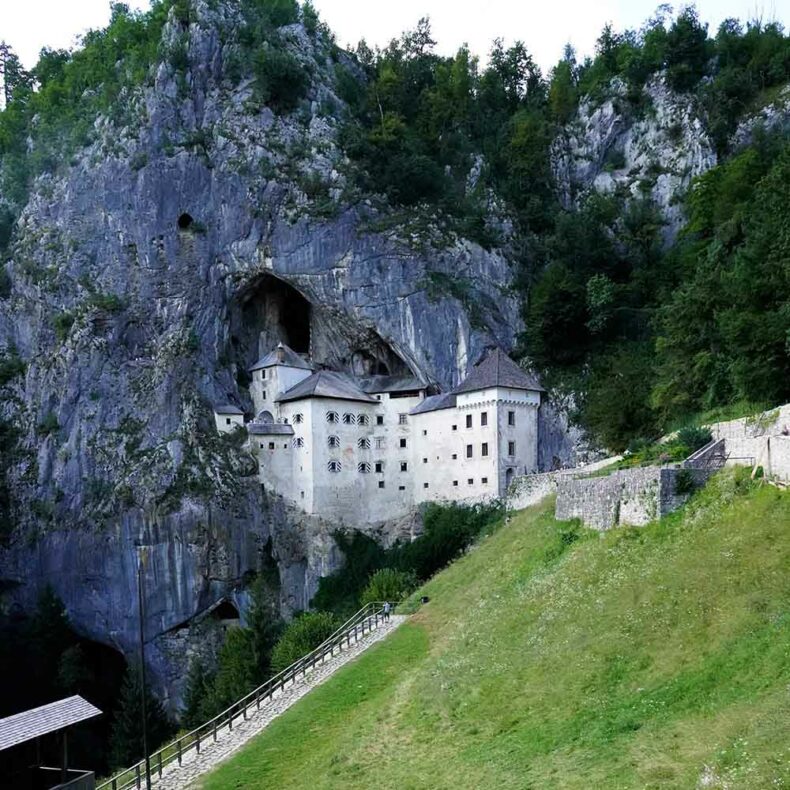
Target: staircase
<point>178,763</point>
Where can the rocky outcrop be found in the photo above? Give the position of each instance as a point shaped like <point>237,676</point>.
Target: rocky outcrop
<point>192,235</point>
<point>650,151</point>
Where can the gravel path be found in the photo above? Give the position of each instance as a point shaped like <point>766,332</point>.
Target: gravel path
<point>175,777</point>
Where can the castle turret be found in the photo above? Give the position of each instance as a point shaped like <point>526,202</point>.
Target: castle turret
<point>275,373</point>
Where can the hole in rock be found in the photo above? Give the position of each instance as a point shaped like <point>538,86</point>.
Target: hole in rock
<point>185,221</point>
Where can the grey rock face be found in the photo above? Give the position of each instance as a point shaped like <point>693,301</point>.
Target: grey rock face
<point>147,277</point>
<point>656,153</point>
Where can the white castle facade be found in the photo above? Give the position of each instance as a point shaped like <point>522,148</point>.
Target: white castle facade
<point>366,449</point>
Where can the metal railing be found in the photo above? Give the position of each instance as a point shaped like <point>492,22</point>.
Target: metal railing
<point>364,621</point>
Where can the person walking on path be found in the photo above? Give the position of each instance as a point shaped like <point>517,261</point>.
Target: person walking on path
<point>386,611</point>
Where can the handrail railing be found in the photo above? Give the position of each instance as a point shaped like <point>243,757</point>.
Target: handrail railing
<point>366,619</point>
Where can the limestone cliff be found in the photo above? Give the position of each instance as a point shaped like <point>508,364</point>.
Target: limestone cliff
<point>147,275</point>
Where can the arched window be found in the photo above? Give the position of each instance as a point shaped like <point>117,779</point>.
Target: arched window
<point>363,443</point>
<point>349,419</point>
<point>333,441</point>
<point>298,418</point>
<point>363,468</point>
<point>363,419</point>
<point>298,441</point>
<point>332,416</point>
<point>334,466</point>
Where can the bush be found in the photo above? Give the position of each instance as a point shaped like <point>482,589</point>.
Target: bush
<point>281,79</point>
<point>694,437</point>
<point>388,584</point>
<point>49,424</point>
<point>306,632</point>
<point>63,322</point>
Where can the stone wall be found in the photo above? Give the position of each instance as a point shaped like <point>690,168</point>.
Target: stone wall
<point>747,439</point>
<point>628,497</point>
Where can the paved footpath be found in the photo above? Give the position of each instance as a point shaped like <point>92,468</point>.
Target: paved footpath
<point>175,777</point>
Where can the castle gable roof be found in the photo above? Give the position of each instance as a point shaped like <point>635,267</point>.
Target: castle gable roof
<point>326,384</point>
<point>228,409</point>
<point>289,359</point>
<point>389,383</point>
<point>445,400</point>
<point>497,369</point>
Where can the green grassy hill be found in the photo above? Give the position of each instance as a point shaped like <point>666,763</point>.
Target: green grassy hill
<point>554,657</point>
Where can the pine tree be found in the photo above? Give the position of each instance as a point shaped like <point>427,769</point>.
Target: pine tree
<point>126,740</point>
<point>198,696</point>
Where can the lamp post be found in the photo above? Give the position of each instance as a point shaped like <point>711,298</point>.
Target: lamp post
<point>141,610</point>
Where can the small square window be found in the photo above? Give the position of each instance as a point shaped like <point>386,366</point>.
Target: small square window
<point>271,445</point>
<point>425,460</point>
<point>302,493</point>
<point>378,397</point>
<point>379,419</point>
<point>285,447</point>
<point>380,443</point>
<point>401,488</point>
<point>404,467</point>
<point>511,448</point>
<point>469,451</point>
<point>402,442</point>
<point>380,467</point>
<point>484,449</point>
<point>484,418</point>
<point>511,418</point>
<point>403,419</point>
<point>261,444</point>
<point>227,421</point>
<point>471,481</point>
<point>468,420</point>
<point>455,427</point>
<point>381,484</point>
<point>484,480</point>
<point>425,433</point>
<point>455,482</point>
<point>425,485</point>
<point>455,456</point>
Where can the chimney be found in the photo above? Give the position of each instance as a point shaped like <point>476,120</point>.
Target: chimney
<point>280,353</point>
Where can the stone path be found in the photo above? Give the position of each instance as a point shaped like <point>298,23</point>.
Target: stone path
<point>175,777</point>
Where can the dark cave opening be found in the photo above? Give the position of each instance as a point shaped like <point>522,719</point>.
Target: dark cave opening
<point>185,221</point>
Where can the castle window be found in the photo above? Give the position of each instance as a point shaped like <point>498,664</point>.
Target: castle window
<point>425,433</point>
<point>379,419</point>
<point>455,456</point>
<point>285,446</point>
<point>425,485</point>
<point>401,488</point>
<point>334,466</point>
<point>363,419</point>
<point>455,482</point>
<point>381,442</point>
<point>471,481</point>
<point>484,480</point>
<point>227,421</point>
<point>349,419</point>
<point>363,468</point>
<point>484,449</point>
<point>363,444</point>
<point>263,394</point>
<point>271,445</point>
<point>185,222</point>
<point>302,493</point>
<point>469,451</point>
<point>261,444</point>
<point>402,442</point>
<point>298,442</point>
<point>298,418</point>
<point>403,419</point>
<point>468,420</point>
<point>455,427</point>
<point>332,416</point>
<point>263,375</point>
<point>404,467</point>
<point>425,460</point>
<point>333,441</point>
<point>381,484</point>
<point>483,418</point>
<point>511,448</point>
<point>379,467</point>
<point>511,418</point>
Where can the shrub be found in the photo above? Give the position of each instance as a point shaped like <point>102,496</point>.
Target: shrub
<point>281,79</point>
<point>694,437</point>
<point>49,424</point>
<point>684,482</point>
<point>11,366</point>
<point>388,584</point>
<point>63,322</point>
<point>301,636</point>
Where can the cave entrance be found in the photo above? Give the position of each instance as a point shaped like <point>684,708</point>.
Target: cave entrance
<point>272,312</point>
